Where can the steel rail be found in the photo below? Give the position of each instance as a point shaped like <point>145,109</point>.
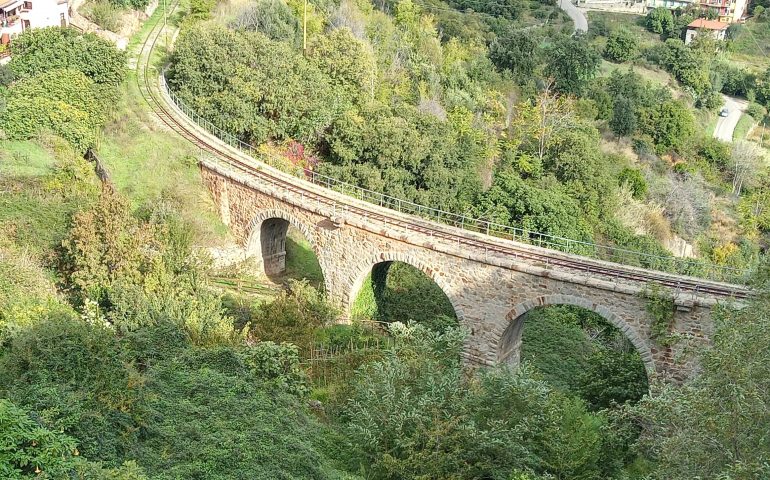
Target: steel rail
<point>585,264</point>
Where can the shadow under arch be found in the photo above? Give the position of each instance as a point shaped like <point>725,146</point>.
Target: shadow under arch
<point>368,265</point>
<point>509,344</point>
<point>266,239</point>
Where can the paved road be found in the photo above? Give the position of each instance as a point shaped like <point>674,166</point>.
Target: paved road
<point>726,125</point>
<point>577,16</point>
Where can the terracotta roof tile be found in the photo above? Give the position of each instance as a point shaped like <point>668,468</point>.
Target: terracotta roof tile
<point>708,24</point>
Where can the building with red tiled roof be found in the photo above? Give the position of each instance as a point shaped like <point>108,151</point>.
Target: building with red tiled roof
<point>717,29</point>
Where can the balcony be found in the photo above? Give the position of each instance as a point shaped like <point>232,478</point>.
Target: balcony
<point>8,21</point>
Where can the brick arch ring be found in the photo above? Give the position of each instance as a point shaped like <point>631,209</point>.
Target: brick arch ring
<point>366,266</point>
<point>256,224</point>
<point>518,312</point>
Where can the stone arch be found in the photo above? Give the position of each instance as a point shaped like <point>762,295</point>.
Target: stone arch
<point>266,238</point>
<point>366,266</point>
<point>509,341</point>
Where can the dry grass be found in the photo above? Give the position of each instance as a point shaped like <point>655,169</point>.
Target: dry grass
<point>644,218</point>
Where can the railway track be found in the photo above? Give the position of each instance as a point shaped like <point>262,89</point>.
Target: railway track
<point>546,258</point>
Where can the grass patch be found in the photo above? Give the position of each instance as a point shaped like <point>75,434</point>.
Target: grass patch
<point>751,46</point>
<point>633,23</point>
<point>741,131</point>
<point>147,160</point>
<point>301,261</point>
<point>706,121</point>
<point>32,217</point>
<point>24,158</point>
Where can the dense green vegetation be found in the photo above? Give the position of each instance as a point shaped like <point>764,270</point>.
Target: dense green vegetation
<point>120,358</point>
<point>504,125</point>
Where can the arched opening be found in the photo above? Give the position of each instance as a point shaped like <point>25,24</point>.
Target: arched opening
<point>285,250</point>
<point>578,350</point>
<point>395,291</point>
<point>272,235</point>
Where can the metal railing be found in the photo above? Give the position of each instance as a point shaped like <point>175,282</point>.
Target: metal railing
<point>668,264</point>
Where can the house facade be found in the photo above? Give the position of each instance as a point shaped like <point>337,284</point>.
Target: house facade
<point>17,16</point>
<point>716,29</point>
<point>728,11</point>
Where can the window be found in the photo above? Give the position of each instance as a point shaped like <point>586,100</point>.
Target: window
<point>27,6</point>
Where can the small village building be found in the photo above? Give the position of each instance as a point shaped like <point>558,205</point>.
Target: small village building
<point>727,11</point>
<point>16,16</point>
<point>716,29</point>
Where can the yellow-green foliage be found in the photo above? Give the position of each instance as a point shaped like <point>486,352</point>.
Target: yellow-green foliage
<point>26,291</point>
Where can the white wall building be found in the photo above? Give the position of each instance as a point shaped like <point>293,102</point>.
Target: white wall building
<point>716,29</point>
<point>17,16</point>
<point>728,11</point>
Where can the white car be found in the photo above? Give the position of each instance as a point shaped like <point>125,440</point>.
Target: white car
<point>724,112</point>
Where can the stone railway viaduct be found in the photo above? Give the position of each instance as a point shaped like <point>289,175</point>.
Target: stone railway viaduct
<point>491,283</point>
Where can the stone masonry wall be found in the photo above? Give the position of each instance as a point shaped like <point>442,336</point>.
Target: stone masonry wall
<point>489,294</point>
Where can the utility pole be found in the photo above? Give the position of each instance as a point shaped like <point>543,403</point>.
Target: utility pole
<point>762,137</point>
<point>304,30</point>
<point>165,22</point>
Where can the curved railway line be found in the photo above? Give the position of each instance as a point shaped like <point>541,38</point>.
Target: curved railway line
<point>535,255</point>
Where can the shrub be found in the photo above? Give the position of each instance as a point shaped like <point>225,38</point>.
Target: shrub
<point>293,316</point>
<point>42,49</point>
<point>73,374</point>
<point>65,102</point>
<point>226,425</point>
<point>105,13</point>
<point>756,111</point>
<point>621,46</point>
<point>635,180</point>
<point>273,18</point>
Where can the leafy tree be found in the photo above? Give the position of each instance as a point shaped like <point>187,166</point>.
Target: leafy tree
<point>714,426</point>
<point>412,415</point>
<point>634,179</point>
<point>539,208</point>
<point>345,60</point>
<point>200,10</point>
<point>621,46</point>
<point>710,100</point>
<point>273,18</point>
<point>763,89</point>
<point>660,20</point>
<point>42,49</point>
<point>715,152</point>
<point>63,101</point>
<point>515,51</point>
<point>105,246</point>
<point>623,121</point>
<point>669,124</point>
<point>251,86</point>
<point>571,62</point>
